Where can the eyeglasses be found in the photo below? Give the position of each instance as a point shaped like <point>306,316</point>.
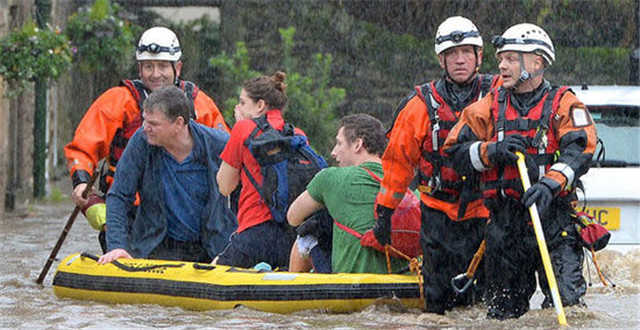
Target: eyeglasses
<point>457,36</point>
<point>155,49</point>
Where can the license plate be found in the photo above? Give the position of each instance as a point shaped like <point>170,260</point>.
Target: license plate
<point>609,217</point>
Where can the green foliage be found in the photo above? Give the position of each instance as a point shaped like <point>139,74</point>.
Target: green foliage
<point>104,42</point>
<point>234,70</point>
<point>575,66</point>
<point>312,102</point>
<point>489,62</point>
<point>199,39</point>
<point>591,65</point>
<point>32,53</point>
<point>56,195</point>
<point>287,46</point>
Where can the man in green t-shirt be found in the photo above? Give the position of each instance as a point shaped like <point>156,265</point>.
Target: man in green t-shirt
<point>348,192</point>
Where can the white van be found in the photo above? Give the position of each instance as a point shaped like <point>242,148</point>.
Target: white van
<point>612,185</point>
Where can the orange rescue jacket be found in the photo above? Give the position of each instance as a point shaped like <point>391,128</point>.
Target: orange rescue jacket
<point>416,140</point>
<point>562,138</point>
<point>113,118</point>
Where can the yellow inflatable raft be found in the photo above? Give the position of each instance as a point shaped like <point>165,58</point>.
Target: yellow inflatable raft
<point>204,287</point>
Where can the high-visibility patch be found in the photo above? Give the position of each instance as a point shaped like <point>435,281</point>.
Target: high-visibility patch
<point>580,117</point>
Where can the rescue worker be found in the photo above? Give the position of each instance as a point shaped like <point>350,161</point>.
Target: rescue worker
<point>453,215</point>
<point>555,131</point>
<point>112,119</point>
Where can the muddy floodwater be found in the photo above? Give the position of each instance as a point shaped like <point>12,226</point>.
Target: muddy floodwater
<point>29,234</point>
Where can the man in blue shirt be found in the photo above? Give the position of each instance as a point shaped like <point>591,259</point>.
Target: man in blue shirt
<point>171,162</point>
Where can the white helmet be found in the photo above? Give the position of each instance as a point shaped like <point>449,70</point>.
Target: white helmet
<point>457,31</point>
<point>526,38</point>
<point>158,43</point>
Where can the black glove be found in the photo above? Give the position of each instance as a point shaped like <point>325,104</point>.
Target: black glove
<point>382,228</point>
<point>503,152</point>
<point>532,168</point>
<point>540,194</point>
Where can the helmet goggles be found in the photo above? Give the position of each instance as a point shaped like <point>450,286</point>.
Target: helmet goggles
<point>500,41</point>
<point>154,48</point>
<point>457,36</point>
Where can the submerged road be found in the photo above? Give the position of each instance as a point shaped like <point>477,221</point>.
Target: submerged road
<point>29,234</point>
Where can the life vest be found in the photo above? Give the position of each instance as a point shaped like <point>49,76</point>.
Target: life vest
<point>123,134</point>
<point>436,173</point>
<point>535,126</point>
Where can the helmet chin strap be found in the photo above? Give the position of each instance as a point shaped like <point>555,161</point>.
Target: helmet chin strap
<point>175,75</point>
<point>524,74</point>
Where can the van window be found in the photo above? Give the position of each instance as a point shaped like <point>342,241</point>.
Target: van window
<point>619,129</point>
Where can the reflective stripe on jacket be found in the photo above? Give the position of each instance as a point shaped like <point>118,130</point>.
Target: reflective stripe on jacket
<point>570,140</point>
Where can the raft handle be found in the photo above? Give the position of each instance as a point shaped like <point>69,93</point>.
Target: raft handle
<point>133,268</point>
<point>204,266</point>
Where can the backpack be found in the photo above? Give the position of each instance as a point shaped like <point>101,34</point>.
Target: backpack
<point>405,227</point>
<point>287,164</point>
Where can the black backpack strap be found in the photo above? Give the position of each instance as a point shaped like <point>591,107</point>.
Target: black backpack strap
<point>254,182</point>
<point>502,109</point>
<point>426,95</point>
<point>288,130</point>
<point>425,92</point>
<point>486,81</point>
<point>261,125</point>
<point>500,127</point>
<point>140,92</point>
<point>191,90</point>
<point>543,123</point>
<point>137,89</point>
<point>432,108</point>
<point>399,108</point>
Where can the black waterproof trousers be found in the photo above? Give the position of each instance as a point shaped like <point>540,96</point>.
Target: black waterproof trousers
<point>512,257</point>
<point>448,247</point>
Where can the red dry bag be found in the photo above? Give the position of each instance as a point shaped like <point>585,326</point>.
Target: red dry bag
<point>405,227</point>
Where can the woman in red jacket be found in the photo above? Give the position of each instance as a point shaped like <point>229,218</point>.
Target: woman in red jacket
<point>259,238</point>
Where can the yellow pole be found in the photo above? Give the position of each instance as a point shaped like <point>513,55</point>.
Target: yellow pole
<point>542,244</point>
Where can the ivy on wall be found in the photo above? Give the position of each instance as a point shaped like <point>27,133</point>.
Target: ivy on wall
<point>312,103</point>
<point>30,53</point>
<point>102,40</point>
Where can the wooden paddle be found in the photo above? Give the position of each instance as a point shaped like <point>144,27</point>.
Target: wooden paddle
<point>65,231</point>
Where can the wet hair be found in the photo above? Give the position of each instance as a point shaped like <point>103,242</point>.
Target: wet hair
<point>270,89</point>
<point>171,101</point>
<point>365,127</point>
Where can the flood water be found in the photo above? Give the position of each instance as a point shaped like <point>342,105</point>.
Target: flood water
<point>29,234</point>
